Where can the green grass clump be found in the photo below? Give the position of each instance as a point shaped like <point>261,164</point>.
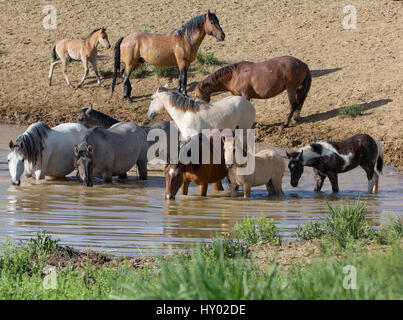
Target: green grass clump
<point>207,58</point>
<point>257,230</point>
<point>351,111</point>
<point>164,72</point>
<point>145,29</point>
<point>140,72</point>
<point>391,231</point>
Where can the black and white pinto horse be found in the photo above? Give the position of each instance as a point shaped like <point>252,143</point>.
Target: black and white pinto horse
<point>330,158</point>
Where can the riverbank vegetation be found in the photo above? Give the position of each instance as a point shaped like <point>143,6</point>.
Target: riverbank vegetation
<point>339,257</point>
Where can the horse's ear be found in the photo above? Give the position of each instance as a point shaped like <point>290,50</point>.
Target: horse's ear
<point>76,150</point>
<point>22,144</point>
<point>166,85</point>
<point>11,144</point>
<point>89,108</point>
<point>89,148</point>
<point>300,155</point>
<point>208,13</point>
<point>288,155</point>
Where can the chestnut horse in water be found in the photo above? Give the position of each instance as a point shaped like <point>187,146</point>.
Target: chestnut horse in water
<point>175,48</point>
<point>84,50</point>
<point>261,81</point>
<point>177,175</point>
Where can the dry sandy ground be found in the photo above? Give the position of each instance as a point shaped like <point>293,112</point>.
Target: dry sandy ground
<point>362,66</point>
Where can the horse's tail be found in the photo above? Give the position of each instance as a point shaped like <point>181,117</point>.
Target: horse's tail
<point>379,161</point>
<point>54,55</point>
<point>117,63</point>
<point>303,91</point>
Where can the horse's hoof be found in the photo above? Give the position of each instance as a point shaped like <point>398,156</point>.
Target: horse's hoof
<point>129,100</point>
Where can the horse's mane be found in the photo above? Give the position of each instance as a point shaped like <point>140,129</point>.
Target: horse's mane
<point>184,103</point>
<point>92,32</point>
<point>222,74</point>
<point>193,24</point>
<point>33,139</point>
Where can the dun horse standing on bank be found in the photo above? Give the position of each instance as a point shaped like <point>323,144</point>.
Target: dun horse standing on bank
<point>261,81</point>
<point>330,158</point>
<point>84,50</point>
<point>175,48</point>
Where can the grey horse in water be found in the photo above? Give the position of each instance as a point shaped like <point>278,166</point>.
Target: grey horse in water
<point>105,153</point>
<point>89,117</point>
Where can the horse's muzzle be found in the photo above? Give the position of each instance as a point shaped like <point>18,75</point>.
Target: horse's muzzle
<point>294,183</point>
<point>229,166</point>
<point>151,115</point>
<point>16,183</point>
<point>169,197</point>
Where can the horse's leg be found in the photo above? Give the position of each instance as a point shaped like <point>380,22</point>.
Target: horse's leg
<point>64,68</point>
<point>270,187</point>
<point>52,66</point>
<point>185,187</point>
<point>319,179</point>
<point>372,179</point>
<point>203,189</point>
<point>234,189</point>
<point>85,65</point>
<point>127,87</point>
<point>246,191</point>
<point>334,182</point>
<point>123,176</point>
<point>107,177</point>
<point>218,186</point>
<point>185,81</point>
<point>142,167</point>
<point>94,66</point>
<point>292,98</point>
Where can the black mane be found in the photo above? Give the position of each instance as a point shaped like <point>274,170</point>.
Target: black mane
<point>92,32</point>
<point>222,74</point>
<point>184,103</point>
<point>193,24</point>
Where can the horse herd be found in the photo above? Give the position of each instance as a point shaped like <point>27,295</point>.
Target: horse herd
<point>100,146</point>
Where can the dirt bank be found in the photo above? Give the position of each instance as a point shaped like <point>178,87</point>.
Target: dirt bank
<point>360,66</point>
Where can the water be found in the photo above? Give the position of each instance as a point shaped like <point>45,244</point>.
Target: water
<point>133,218</point>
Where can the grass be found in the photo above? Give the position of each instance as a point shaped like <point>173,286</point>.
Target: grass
<point>224,269</point>
<point>351,111</point>
<point>163,72</point>
<point>346,223</point>
<point>207,58</point>
<point>140,72</point>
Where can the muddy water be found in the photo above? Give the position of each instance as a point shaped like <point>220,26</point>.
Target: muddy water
<point>132,218</point>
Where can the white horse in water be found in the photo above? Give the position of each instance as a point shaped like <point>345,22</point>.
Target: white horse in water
<point>192,116</point>
<point>43,151</point>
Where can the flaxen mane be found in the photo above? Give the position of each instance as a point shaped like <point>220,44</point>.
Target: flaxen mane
<point>184,103</point>
<point>221,75</point>
<point>33,140</point>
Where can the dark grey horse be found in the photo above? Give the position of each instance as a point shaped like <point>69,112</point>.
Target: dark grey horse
<point>111,152</point>
<point>89,117</point>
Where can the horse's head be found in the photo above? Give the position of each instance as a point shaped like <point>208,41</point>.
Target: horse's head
<point>85,117</point>
<point>173,179</point>
<point>16,159</point>
<point>202,94</point>
<point>156,105</point>
<point>83,163</point>
<point>212,27</point>
<point>296,166</point>
<point>229,150</point>
<point>103,38</point>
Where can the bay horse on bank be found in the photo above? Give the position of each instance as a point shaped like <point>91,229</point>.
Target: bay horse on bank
<point>201,173</point>
<point>261,81</point>
<point>192,116</point>
<point>330,158</point>
<point>84,50</point>
<point>176,48</point>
